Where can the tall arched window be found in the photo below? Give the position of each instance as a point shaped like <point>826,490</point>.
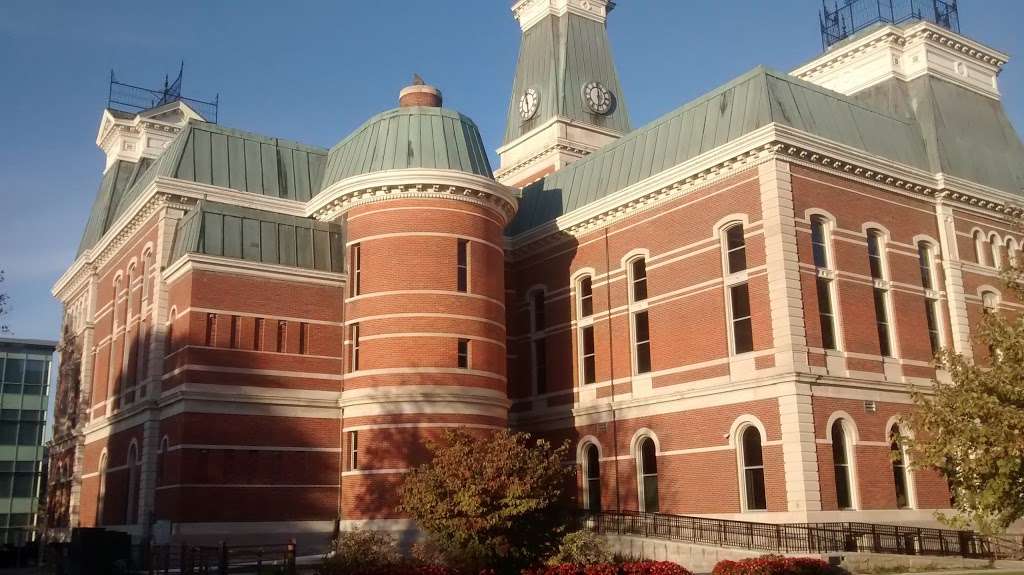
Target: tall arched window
<point>592,475</point>
<point>585,335</point>
<point>161,460</point>
<point>979,247</point>
<point>826,302</point>
<point>734,252</point>
<point>147,270</point>
<point>101,491</point>
<point>899,468</point>
<point>931,303</point>
<point>989,302</point>
<point>841,465</point>
<point>996,245</point>
<point>1011,251</point>
<point>876,263</point>
<point>735,249</point>
<point>131,507</point>
<point>647,469</point>
<point>641,327</point>
<point>752,459</point>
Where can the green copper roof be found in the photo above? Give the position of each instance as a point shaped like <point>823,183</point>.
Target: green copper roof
<point>413,137</point>
<point>967,135</point>
<point>211,154</point>
<point>217,229</point>
<point>558,57</point>
<point>753,100</point>
<point>117,180</point>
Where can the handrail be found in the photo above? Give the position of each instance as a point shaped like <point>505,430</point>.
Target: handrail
<point>838,537</point>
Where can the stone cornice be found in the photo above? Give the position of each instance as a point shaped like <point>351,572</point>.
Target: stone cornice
<point>413,183</point>
<point>953,41</point>
<point>560,145</point>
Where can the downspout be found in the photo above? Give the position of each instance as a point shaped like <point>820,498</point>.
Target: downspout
<point>611,367</point>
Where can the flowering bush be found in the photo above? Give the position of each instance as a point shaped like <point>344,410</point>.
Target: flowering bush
<point>634,568</point>
<point>775,565</point>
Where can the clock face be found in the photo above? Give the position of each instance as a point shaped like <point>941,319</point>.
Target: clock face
<point>528,103</point>
<point>598,98</point>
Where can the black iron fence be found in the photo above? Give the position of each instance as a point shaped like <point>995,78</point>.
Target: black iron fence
<point>66,559</point>
<point>791,538</point>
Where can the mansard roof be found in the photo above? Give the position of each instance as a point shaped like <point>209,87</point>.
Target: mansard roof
<point>211,154</point>
<point>217,229</point>
<point>967,135</point>
<point>410,137</point>
<point>751,101</point>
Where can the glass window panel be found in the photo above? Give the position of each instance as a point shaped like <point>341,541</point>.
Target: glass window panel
<point>756,499</point>
<point>586,297</point>
<point>649,456</point>
<point>736,246</point>
<point>752,447</point>
<point>875,254</point>
<point>35,371</point>
<point>540,359</point>
<point>8,433</point>
<point>882,323</point>
<point>539,311</point>
<point>828,336</point>
<point>933,325</point>
<point>28,433</point>
<point>639,268</point>
<point>14,370</point>
<point>818,247</point>
<point>924,258</point>
<point>651,504</point>
<point>23,484</point>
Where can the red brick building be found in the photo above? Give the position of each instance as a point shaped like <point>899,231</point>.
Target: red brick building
<point>724,311</point>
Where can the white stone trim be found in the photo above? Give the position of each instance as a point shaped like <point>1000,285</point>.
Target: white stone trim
<point>219,264</point>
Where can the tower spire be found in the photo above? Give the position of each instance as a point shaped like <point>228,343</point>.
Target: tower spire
<point>566,98</point>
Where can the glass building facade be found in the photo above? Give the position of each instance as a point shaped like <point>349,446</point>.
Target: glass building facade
<point>24,389</point>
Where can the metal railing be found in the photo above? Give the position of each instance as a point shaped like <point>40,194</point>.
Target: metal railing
<point>790,537</point>
<point>847,17</point>
<point>220,560</point>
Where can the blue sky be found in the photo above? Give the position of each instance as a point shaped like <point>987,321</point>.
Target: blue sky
<point>313,71</point>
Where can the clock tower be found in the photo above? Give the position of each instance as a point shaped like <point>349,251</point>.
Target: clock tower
<point>566,99</point>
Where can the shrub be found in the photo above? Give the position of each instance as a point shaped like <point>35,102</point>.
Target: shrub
<point>489,500</point>
<point>361,551</point>
<point>775,565</point>
<point>582,548</point>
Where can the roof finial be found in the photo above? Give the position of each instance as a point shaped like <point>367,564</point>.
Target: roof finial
<point>417,80</point>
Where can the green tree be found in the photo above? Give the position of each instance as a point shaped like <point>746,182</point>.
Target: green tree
<point>971,427</point>
<point>492,500</point>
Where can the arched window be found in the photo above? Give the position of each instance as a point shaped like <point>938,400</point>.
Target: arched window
<point>735,247</point>
<point>841,464</point>
<point>147,270</point>
<point>899,468</point>
<point>979,247</point>
<point>931,304</point>
<point>585,335</point>
<point>118,286</point>
<point>996,245</point>
<point>101,492</point>
<point>1011,251</point>
<point>826,304</point>
<point>161,460</point>
<point>640,328</point>
<point>647,469</point>
<point>132,496</point>
<point>734,253</point>
<point>592,475</point>
<point>171,317</point>
<point>876,263</point>
<point>753,470</point>
<point>586,297</point>
<point>989,302</point>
